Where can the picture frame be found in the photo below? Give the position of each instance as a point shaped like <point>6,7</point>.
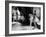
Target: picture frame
<point>25,5</point>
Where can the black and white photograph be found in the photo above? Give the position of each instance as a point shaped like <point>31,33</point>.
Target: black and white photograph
<point>25,18</point>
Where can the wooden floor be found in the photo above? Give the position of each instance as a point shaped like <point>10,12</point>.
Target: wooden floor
<point>23,28</point>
